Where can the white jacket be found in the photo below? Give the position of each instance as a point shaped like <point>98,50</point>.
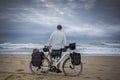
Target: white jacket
<point>57,39</point>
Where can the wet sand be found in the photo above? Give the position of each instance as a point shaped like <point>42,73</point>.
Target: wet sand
<point>16,67</point>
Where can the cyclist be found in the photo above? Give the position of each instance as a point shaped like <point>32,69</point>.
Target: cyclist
<point>57,40</point>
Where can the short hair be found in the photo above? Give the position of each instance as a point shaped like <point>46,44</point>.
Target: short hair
<point>59,27</point>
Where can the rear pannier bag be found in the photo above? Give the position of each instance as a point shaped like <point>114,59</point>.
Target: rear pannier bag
<point>75,58</point>
<point>37,59</point>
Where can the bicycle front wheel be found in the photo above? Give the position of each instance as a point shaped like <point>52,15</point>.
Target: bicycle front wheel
<point>43,69</point>
<point>74,70</point>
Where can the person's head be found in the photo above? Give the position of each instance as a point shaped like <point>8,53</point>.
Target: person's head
<point>59,27</point>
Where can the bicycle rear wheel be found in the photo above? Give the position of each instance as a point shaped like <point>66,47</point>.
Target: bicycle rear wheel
<point>75,70</point>
<point>42,69</point>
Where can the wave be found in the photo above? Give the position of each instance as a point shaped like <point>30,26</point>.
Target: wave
<point>84,48</point>
<point>101,44</point>
<point>20,46</point>
<point>113,44</point>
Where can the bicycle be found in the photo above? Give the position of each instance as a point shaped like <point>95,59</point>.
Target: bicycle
<point>67,67</point>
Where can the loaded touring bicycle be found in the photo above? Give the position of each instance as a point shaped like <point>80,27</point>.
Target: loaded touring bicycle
<point>72,65</point>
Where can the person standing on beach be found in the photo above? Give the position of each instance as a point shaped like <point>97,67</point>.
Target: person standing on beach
<point>57,40</point>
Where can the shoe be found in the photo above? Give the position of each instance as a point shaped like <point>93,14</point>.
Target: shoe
<point>43,72</point>
<point>58,71</point>
<point>50,70</point>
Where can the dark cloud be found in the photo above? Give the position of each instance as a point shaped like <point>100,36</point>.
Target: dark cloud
<point>31,20</point>
<point>107,11</point>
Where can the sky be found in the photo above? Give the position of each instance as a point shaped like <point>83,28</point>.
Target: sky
<point>35,20</point>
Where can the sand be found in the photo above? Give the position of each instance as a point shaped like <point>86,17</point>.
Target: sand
<point>16,67</point>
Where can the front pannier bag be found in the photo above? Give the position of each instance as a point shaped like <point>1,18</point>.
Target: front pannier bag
<point>75,58</point>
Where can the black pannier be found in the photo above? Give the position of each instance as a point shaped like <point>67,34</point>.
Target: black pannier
<point>75,58</point>
<point>37,58</point>
<point>45,49</point>
<point>72,46</point>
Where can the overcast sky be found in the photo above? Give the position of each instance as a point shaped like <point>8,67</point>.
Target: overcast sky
<point>35,20</point>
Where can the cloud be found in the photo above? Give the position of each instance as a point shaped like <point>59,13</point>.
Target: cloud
<point>89,4</point>
<point>99,29</point>
<point>78,17</point>
<point>81,4</point>
<point>55,12</point>
<point>85,29</point>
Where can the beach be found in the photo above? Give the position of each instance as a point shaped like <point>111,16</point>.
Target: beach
<point>16,67</point>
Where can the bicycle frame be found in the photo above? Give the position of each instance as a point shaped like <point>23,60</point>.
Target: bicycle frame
<point>67,53</point>
<point>63,55</point>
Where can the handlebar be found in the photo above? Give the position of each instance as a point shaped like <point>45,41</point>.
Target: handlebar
<point>71,46</point>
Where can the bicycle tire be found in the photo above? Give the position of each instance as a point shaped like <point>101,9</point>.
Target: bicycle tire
<point>37,70</point>
<point>69,71</point>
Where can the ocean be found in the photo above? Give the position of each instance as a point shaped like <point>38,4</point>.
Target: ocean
<point>85,48</point>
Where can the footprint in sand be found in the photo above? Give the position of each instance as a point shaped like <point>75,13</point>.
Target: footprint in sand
<point>38,78</point>
<point>13,77</point>
<point>22,62</point>
<point>9,62</point>
<point>99,78</point>
<point>88,77</point>
<point>20,70</point>
<point>85,68</point>
<point>104,65</point>
<point>101,70</point>
<point>84,63</point>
